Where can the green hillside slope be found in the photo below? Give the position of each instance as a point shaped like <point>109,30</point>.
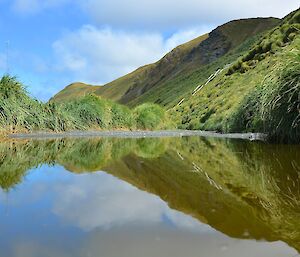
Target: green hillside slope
<point>183,67</point>
<point>258,92</point>
<point>74,91</point>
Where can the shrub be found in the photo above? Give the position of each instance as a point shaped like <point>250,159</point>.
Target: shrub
<point>89,111</point>
<point>149,116</point>
<point>150,147</point>
<point>121,117</point>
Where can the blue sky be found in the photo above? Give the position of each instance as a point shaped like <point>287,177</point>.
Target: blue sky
<point>55,42</point>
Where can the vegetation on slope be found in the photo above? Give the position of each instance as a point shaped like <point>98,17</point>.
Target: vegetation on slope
<point>269,44</point>
<point>148,74</point>
<point>74,91</point>
<point>274,106</point>
<point>259,93</point>
<point>19,112</point>
<point>177,67</point>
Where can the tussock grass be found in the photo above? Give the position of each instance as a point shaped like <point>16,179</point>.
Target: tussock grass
<point>279,37</point>
<point>20,112</point>
<point>263,98</point>
<point>149,116</point>
<point>274,106</point>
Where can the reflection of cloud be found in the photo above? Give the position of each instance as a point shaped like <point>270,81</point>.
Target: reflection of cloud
<point>186,222</point>
<point>34,191</point>
<point>104,201</point>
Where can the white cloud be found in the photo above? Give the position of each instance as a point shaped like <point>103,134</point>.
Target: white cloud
<point>34,6</point>
<point>101,55</point>
<point>179,14</point>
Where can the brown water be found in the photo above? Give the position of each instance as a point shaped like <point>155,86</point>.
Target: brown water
<point>151,197</point>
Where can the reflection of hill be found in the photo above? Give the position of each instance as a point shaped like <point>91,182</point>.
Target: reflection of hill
<point>84,155</point>
<point>246,190</point>
<point>242,189</point>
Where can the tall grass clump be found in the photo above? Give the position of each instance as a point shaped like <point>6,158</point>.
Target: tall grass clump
<point>88,111</point>
<point>150,116</point>
<point>279,37</point>
<point>121,116</point>
<point>92,111</point>
<point>274,106</point>
<point>10,87</point>
<point>20,112</point>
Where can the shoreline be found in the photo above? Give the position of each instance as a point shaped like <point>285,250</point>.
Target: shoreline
<point>138,134</point>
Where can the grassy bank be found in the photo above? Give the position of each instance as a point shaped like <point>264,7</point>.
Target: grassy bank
<point>274,105</point>
<point>21,113</point>
<point>259,92</point>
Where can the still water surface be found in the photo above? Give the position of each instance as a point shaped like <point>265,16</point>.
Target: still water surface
<point>177,197</point>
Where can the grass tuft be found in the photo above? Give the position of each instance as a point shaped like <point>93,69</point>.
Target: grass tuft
<point>21,113</point>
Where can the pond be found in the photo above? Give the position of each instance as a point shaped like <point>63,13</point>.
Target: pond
<point>149,197</point>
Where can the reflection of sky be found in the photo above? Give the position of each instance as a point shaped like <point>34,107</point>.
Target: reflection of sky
<point>56,213</point>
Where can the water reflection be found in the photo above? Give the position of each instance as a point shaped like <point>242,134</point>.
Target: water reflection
<point>244,190</point>
<point>106,196</point>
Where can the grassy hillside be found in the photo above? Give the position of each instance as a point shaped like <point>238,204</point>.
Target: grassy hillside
<point>184,67</point>
<point>74,91</point>
<point>259,92</point>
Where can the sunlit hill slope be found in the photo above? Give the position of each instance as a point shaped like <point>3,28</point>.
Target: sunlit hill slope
<point>244,76</point>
